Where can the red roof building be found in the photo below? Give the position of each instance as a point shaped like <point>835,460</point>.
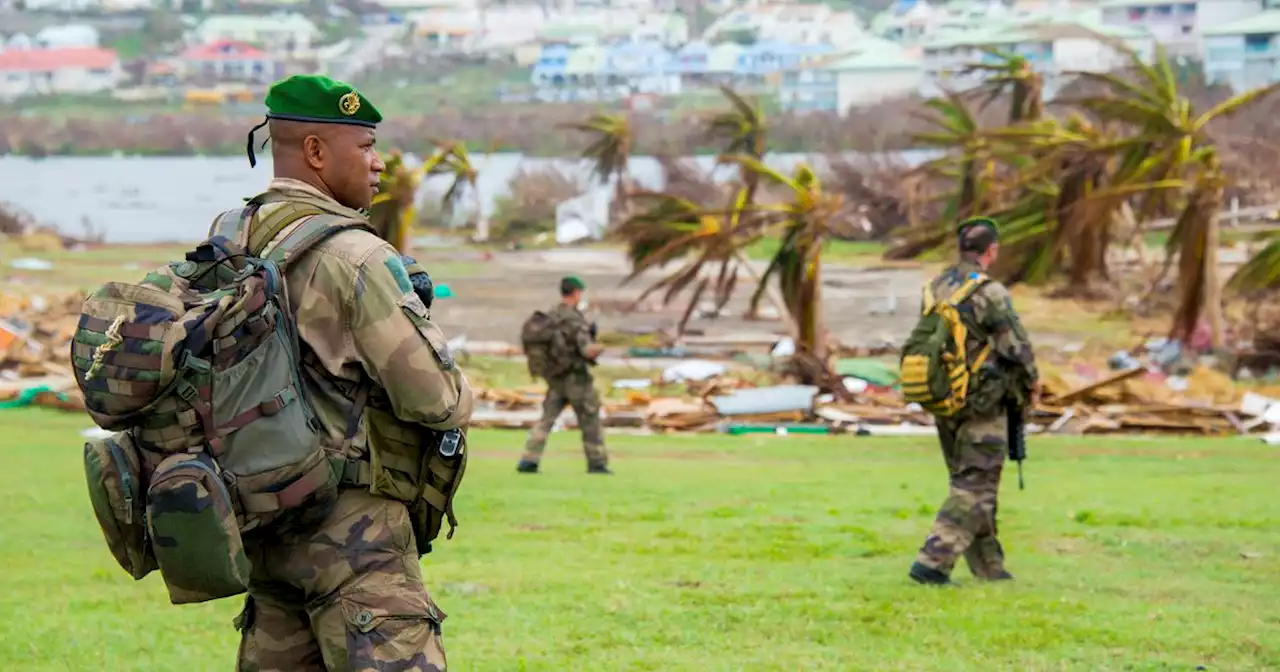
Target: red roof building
<point>54,60</point>
<point>71,71</point>
<point>227,60</point>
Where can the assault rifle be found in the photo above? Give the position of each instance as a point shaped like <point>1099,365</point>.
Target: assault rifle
<point>1017,435</point>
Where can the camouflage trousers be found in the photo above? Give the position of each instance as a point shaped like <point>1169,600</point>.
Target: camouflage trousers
<point>975,451</point>
<point>347,595</point>
<point>579,391</point>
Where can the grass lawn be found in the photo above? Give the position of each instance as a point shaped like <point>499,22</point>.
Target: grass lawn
<point>1130,555</point>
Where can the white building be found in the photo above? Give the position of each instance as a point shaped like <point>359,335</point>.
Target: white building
<point>1244,54</point>
<point>794,24</point>
<point>1178,25</point>
<point>74,71</point>
<point>1054,46</point>
<point>876,72</point>
<point>68,36</point>
<point>73,6</point>
<point>280,33</point>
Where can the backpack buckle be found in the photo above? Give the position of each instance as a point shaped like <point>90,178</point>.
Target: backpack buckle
<point>187,391</point>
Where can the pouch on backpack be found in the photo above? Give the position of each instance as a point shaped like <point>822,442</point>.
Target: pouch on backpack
<point>194,530</point>
<point>421,468</point>
<point>113,469</point>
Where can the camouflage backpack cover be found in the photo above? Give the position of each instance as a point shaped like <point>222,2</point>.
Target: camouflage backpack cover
<point>546,345</point>
<point>934,367</point>
<point>196,369</point>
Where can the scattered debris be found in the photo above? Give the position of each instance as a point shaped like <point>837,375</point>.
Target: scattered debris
<point>1157,391</point>
<point>35,367</point>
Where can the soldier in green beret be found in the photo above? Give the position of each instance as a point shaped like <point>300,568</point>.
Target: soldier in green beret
<point>348,593</point>
<point>569,382</point>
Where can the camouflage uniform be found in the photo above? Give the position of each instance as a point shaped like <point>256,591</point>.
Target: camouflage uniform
<point>975,441</point>
<point>577,388</point>
<point>348,594</point>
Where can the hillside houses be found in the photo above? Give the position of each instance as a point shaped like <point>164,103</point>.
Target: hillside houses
<point>1179,25</point>
<point>1054,44</point>
<point>283,33</point>
<point>808,57</point>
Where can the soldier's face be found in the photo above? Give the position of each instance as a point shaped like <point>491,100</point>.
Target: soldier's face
<point>351,165</point>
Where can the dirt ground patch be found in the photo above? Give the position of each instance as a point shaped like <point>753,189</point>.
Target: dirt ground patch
<point>863,306</point>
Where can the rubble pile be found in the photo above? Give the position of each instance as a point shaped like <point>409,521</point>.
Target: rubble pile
<point>35,368</point>
<point>720,384</point>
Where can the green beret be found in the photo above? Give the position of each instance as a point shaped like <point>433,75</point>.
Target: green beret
<point>972,222</point>
<point>315,99</point>
<point>318,99</point>
<point>574,282</point>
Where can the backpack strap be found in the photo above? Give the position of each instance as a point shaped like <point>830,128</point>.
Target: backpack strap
<point>231,224</point>
<point>310,233</point>
<point>927,302</point>
<point>973,283</point>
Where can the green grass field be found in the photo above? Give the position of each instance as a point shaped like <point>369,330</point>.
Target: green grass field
<point>732,554</point>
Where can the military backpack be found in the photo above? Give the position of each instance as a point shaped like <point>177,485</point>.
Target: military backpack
<point>935,369</point>
<point>196,370</point>
<point>547,348</point>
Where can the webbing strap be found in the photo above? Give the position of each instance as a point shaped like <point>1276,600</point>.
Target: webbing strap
<point>292,495</point>
<point>231,224</point>
<point>311,233</point>
<point>966,290</point>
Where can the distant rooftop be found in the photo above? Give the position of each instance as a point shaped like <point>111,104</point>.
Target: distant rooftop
<point>52,60</point>
<point>1266,22</point>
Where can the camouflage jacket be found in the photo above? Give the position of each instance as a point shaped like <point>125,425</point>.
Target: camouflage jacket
<point>578,334</point>
<point>989,315</point>
<point>360,321</point>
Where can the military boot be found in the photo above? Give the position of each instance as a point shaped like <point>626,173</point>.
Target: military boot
<point>598,469</point>
<point>527,467</point>
<point>1000,576</point>
<point>928,576</point>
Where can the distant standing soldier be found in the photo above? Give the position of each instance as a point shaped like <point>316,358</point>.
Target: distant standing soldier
<point>348,594</point>
<point>998,354</point>
<point>569,381</point>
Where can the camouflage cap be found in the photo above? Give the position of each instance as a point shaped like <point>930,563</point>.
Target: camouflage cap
<point>316,99</point>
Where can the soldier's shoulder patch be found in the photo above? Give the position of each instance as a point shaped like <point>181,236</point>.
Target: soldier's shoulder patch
<point>400,273</point>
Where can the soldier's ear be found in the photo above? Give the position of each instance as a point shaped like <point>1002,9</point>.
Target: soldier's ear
<point>313,152</point>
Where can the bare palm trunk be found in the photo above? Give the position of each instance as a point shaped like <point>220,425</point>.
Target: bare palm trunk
<point>1212,285</point>
<point>482,222</point>
<point>784,313</point>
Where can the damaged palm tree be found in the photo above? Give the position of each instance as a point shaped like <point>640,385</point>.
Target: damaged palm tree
<point>802,224</point>
<point>609,153</point>
<point>453,160</point>
<point>673,229</point>
<point>967,161</point>
<point>1169,142</point>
